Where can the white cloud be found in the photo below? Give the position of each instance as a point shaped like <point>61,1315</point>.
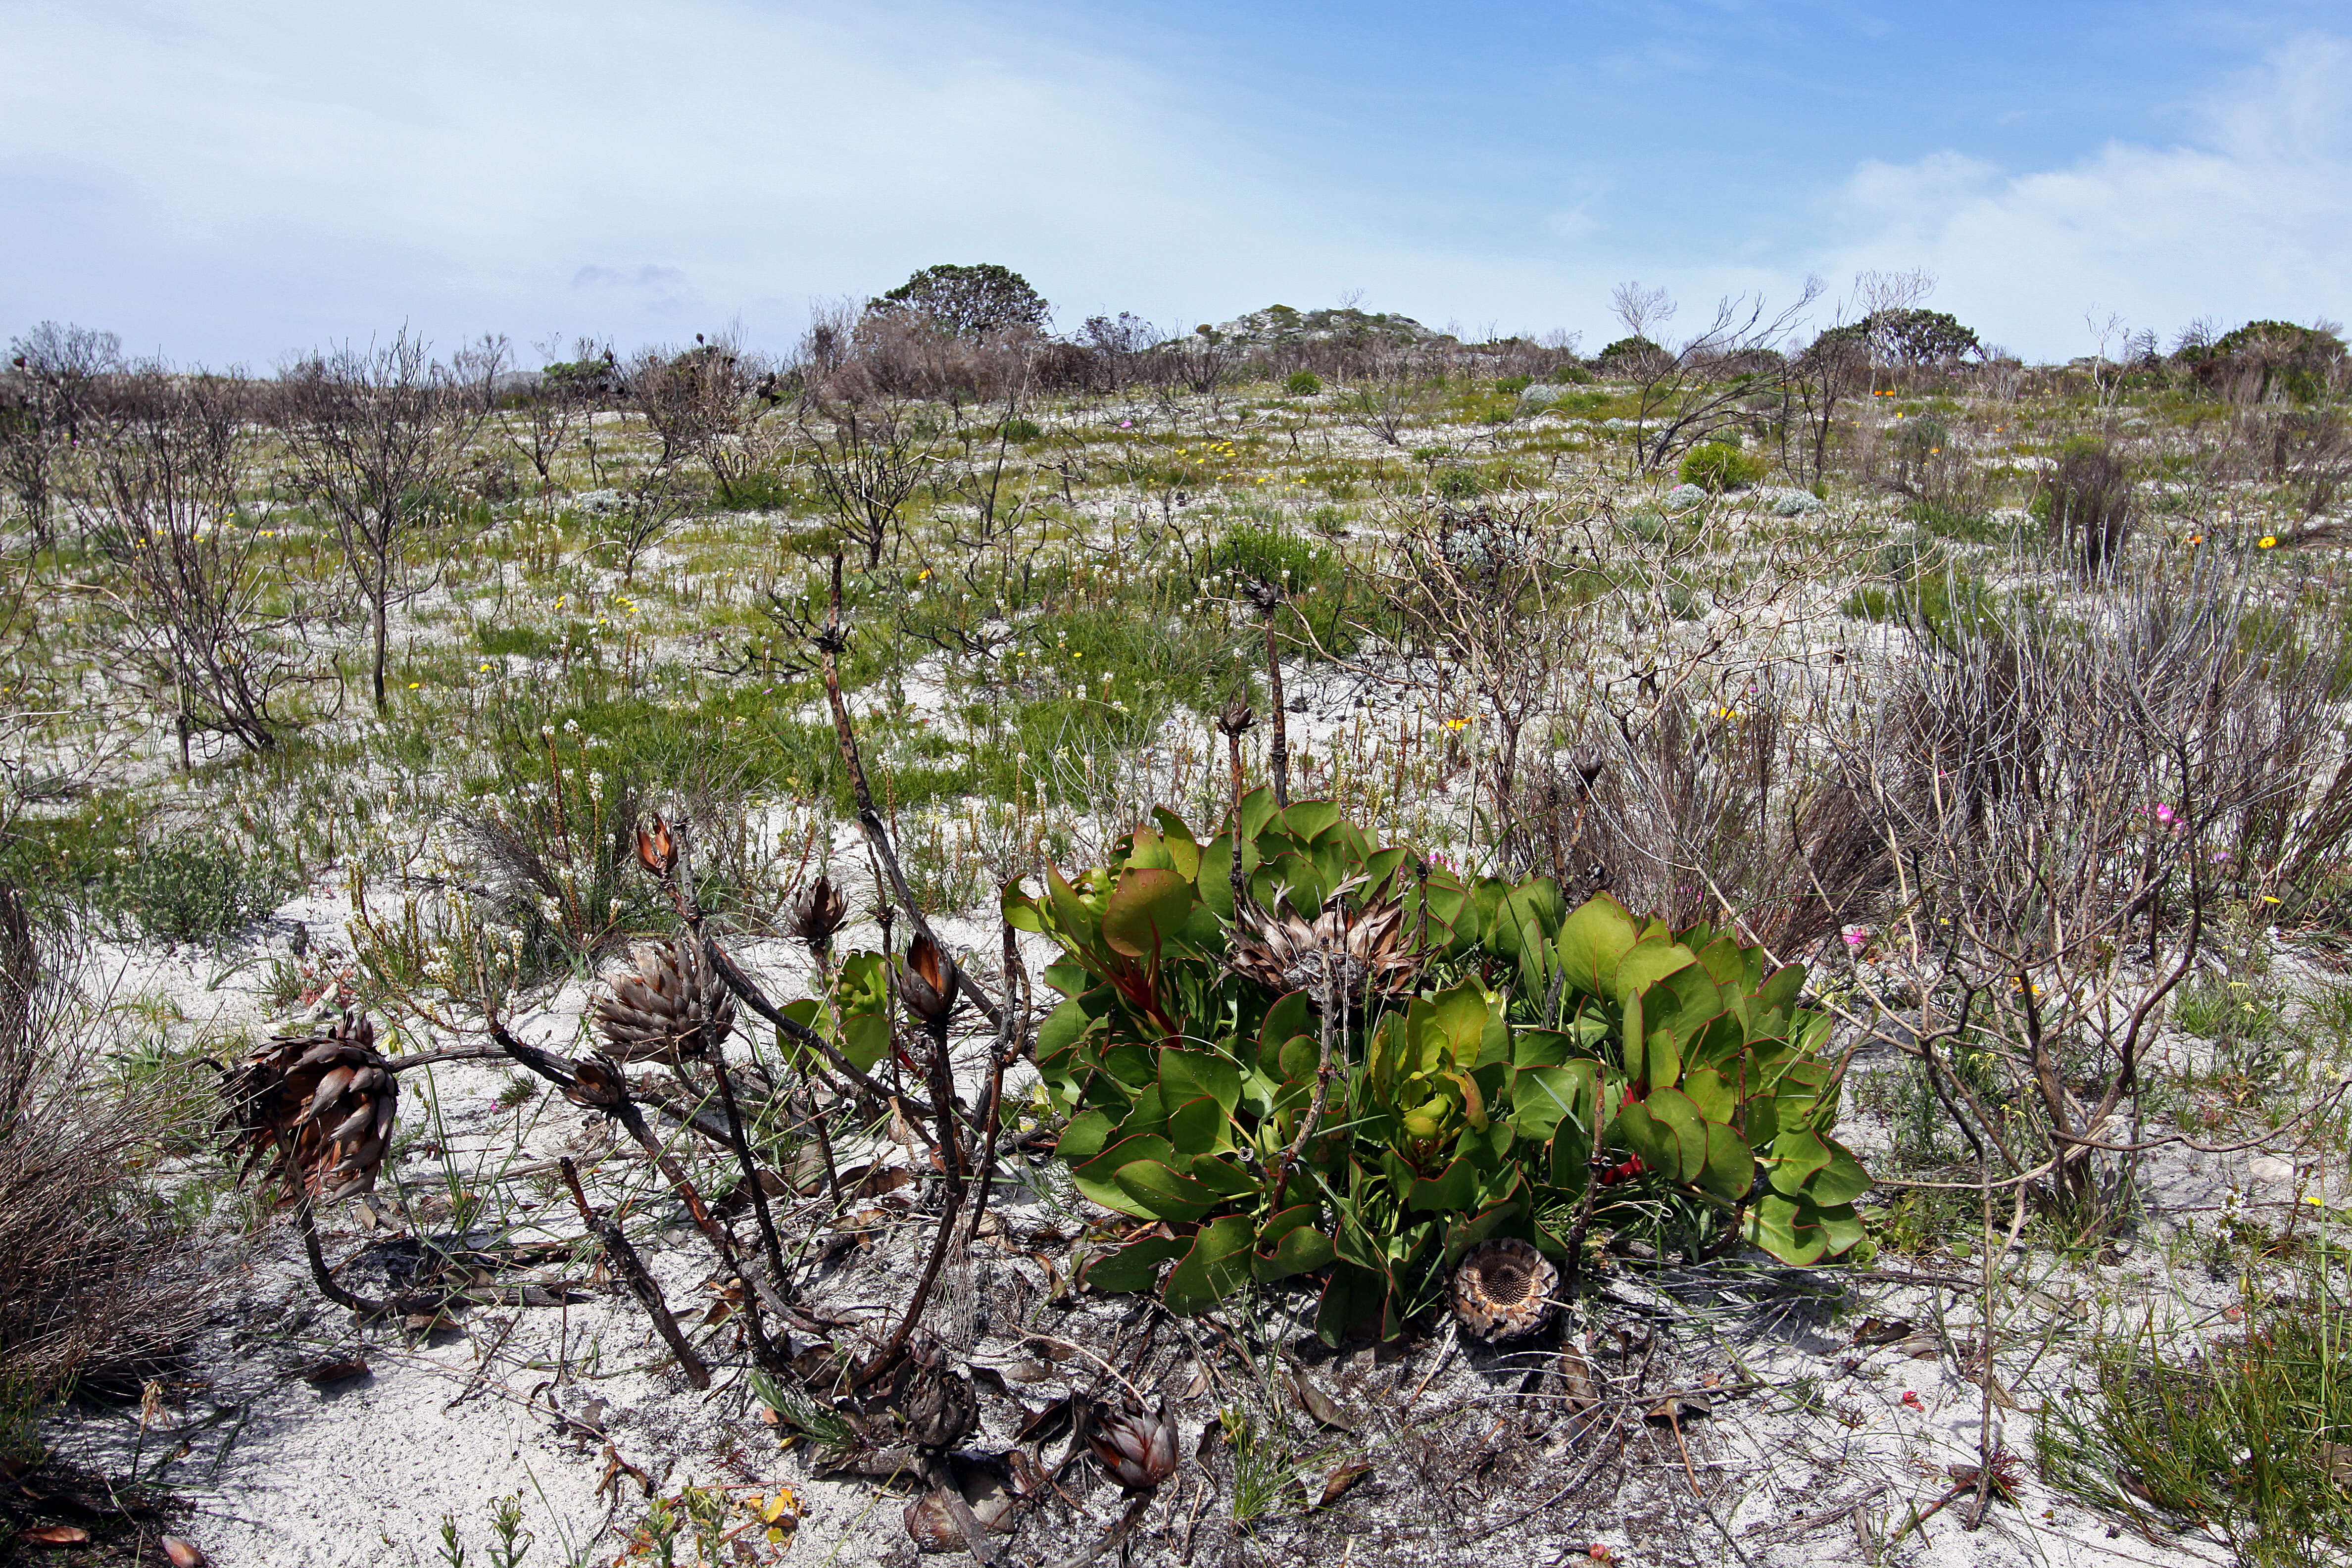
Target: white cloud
<point>253,177</point>
<point>248,179</point>
<point>310,170</point>
<point>2253,220</point>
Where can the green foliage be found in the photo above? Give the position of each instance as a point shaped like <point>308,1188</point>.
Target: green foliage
<point>2242,1438</point>
<point>1922,337</point>
<point>968,301</point>
<point>1514,385</point>
<point>1302,383</point>
<point>761,489</point>
<point>1456,483</point>
<point>1536,1053</point>
<point>188,888</point>
<point>1929,592</point>
<point>1021,431</point>
<point>1619,356</point>
<point>1718,466</point>
<point>2302,362</point>
<point>1571,375</point>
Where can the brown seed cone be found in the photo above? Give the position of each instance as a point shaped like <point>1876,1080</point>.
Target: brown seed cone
<point>1362,950</point>
<point>656,850</point>
<point>1502,1289</point>
<point>927,981</point>
<point>670,1005</point>
<point>818,912</point>
<point>1236,718</point>
<point>1136,1446</point>
<point>323,1102</point>
<point>597,1084</point>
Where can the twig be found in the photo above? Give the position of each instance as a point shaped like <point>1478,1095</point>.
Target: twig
<point>624,1110</point>
<point>632,1270</point>
<point>952,1169</point>
<point>754,997</point>
<point>1323,1074</point>
<point>1012,1040</point>
<point>1111,1537</point>
<point>830,640</point>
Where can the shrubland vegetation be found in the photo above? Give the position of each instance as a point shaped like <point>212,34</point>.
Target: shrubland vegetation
<point>1461,798</point>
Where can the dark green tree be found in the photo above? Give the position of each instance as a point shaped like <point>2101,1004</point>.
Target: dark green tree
<point>968,301</point>
<point>1923,337</point>
<point>1624,349</point>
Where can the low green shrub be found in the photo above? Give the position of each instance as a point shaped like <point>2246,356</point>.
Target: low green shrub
<point>761,490</point>
<point>1571,375</point>
<point>1718,466</point>
<point>1458,484</point>
<point>2244,1438</point>
<point>1486,1064</point>
<point>187,888</point>
<point>1302,383</point>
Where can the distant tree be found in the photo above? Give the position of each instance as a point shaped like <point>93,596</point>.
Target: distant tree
<point>708,402</point>
<point>209,634</point>
<point>560,398</point>
<point>2252,363</point>
<point>372,438</point>
<point>48,390</point>
<point>968,301</point>
<point>1834,369</point>
<point>1117,343</point>
<point>1913,336</point>
<point>1715,381</point>
<point>1625,353</point>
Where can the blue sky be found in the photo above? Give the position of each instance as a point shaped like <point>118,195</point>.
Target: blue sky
<point>234,182</point>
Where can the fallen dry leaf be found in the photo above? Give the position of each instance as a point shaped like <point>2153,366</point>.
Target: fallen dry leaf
<point>183,1554</point>
<point>1318,1405</point>
<point>1576,1379</point>
<point>1337,1484</point>
<point>337,1370</point>
<point>56,1535</point>
<point>1674,1407</point>
<point>1883,1331</point>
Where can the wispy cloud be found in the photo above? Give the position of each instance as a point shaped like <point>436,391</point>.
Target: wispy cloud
<point>2252,218</point>
<point>253,177</point>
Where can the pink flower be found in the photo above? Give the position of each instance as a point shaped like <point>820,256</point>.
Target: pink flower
<point>2163,814</point>
<point>1855,936</point>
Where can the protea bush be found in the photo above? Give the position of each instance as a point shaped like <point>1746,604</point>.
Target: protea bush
<point>1350,1063</point>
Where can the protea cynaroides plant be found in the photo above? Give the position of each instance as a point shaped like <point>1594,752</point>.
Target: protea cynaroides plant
<point>816,914</point>
<point>1342,953</point>
<point>670,1005</point>
<point>323,1101</point>
<point>1136,1446</point>
<point>1502,1289</point>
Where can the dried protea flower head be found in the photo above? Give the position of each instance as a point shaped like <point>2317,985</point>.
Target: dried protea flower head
<point>927,981</point>
<point>1136,1446</point>
<point>1235,718</point>
<point>818,912</point>
<point>1265,594</point>
<point>657,849</point>
<point>597,1084</point>
<point>1346,953</point>
<point>668,1004</point>
<point>323,1099</point>
<point>1502,1289</point>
